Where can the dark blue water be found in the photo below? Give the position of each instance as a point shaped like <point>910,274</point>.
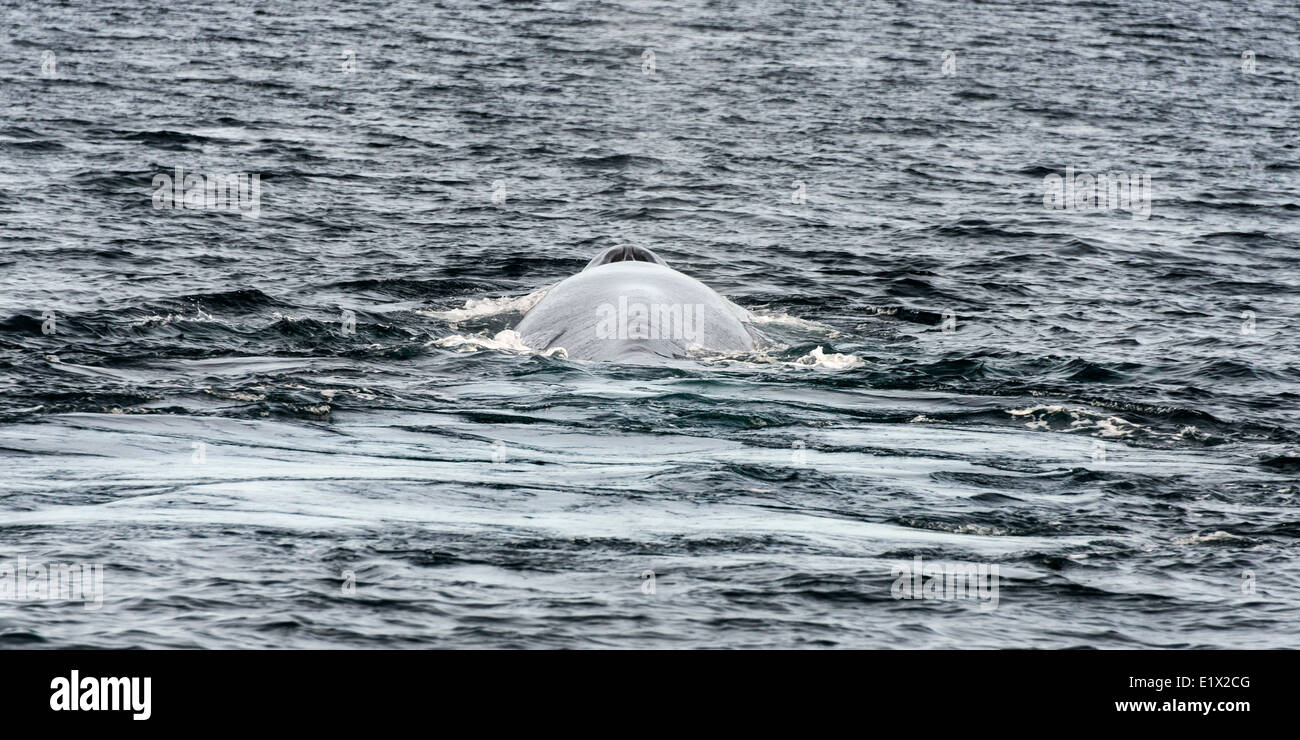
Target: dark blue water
<point>1101,406</point>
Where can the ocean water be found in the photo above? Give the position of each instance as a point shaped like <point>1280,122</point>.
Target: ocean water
<point>304,426</point>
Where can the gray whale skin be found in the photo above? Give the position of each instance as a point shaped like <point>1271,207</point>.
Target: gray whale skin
<point>628,305</point>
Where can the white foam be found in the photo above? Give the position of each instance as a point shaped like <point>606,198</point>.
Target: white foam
<point>1081,420</point>
<point>1201,539</point>
<point>477,308</point>
<point>159,320</point>
<point>763,316</point>
<point>1036,409</point>
<point>818,358</point>
<point>507,340</point>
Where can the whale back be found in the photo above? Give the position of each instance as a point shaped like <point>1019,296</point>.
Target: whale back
<point>631,308</point>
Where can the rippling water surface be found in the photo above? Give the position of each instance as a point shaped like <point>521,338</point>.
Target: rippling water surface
<point>1102,406</point>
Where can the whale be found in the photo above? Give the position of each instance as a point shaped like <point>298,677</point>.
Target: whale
<point>629,305</point>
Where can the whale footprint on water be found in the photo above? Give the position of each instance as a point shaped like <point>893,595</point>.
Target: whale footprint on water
<point>628,305</point>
